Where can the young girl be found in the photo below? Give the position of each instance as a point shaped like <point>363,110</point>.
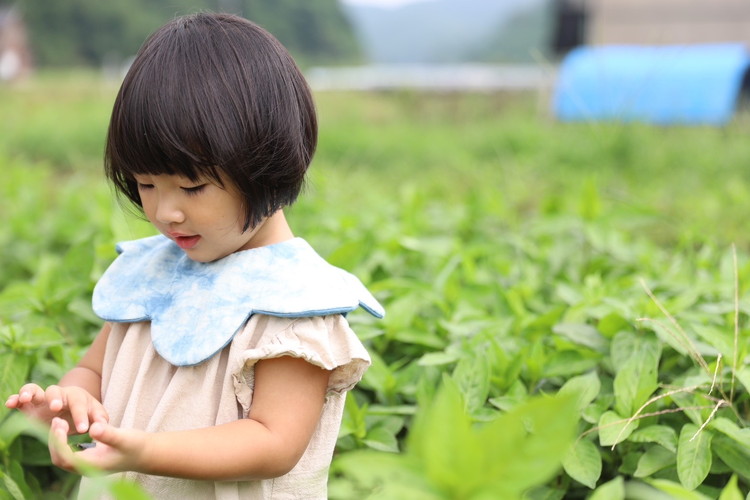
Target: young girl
<point>223,364</point>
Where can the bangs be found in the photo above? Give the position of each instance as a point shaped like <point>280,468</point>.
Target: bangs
<point>162,114</point>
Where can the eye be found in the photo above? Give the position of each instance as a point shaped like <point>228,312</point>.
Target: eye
<point>142,186</point>
<point>194,189</point>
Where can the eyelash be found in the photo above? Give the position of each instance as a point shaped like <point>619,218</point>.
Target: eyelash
<point>190,191</point>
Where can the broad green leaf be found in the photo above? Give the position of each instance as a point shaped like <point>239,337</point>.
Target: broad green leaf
<point>385,473</point>
<point>514,299</point>
<point>402,311</point>
<point>14,370</point>
<point>519,449</point>
<point>381,438</point>
<point>733,454</point>
<point>11,487</point>
<point>544,493</point>
<point>636,378</point>
<point>731,491</point>
<point>676,491</point>
<point>593,412</point>
<point>611,490</point>
<point>419,337</point>
<point>583,462</point>
<point>585,388</point>
<point>569,362</point>
<point>665,333</point>
<point>125,490</point>
<point>637,490</point>
<point>380,377</point>
<point>444,443</point>
<point>16,424</point>
<point>590,204</point>
<point>623,346</point>
<point>567,293</point>
<point>743,375</point>
<point>472,375</point>
<point>613,323</point>
<point>582,334</point>
<point>614,429</point>
<point>539,432</point>
<point>439,358</point>
<point>653,460</point>
<point>628,344</point>
<point>535,359</point>
<point>718,338</point>
<point>392,410</point>
<point>516,394</point>
<point>688,402</point>
<point>729,428</point>
<point>353,421</point>
<point>659,434</point>
<point>693,456</point>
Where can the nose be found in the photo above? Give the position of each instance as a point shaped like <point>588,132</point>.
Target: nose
<point>168,211</point>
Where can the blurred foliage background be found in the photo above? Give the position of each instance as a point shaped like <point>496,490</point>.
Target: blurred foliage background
<point>93,33</point>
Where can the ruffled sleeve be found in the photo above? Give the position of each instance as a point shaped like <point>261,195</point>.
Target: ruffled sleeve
<point>324,341</point>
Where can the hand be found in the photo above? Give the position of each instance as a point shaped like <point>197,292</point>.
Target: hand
<point>79,408</point>
<point>116,449</point>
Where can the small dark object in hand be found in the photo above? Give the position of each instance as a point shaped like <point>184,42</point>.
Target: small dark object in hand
<point>85,446</point>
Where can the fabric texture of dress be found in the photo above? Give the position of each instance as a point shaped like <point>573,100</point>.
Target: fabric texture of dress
<point>152,389</point>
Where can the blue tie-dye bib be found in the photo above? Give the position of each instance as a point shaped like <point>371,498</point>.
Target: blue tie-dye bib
<point>196,308</point>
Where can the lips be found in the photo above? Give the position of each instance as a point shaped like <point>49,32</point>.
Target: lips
<point>185,242</point>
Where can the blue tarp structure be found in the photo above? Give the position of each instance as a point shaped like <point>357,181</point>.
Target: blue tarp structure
<point>675,84</point>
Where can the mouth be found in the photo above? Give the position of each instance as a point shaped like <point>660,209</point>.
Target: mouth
<point>185,242</point>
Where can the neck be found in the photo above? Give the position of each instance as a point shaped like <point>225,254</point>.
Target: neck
<point>273,229</point>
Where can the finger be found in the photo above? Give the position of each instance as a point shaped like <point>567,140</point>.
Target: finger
<point>98,413</point>
<point>55,398</point>
<point>114,437</point>
<point>60,452</point>
<point>104,433</point>
<point>79,410</point>
<point>29,393</point>
<point>12,401</point>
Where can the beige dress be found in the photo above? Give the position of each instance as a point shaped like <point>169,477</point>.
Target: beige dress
<point>141,390</point>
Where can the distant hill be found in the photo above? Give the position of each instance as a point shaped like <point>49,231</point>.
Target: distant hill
<point>450,31</point>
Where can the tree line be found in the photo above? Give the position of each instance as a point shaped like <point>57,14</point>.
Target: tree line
<point>92,32</point>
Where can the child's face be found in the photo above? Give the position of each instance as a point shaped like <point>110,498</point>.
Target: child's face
<point>203,218</point>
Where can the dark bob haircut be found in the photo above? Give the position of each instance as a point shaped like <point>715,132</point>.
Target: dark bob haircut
<point>214,96</point>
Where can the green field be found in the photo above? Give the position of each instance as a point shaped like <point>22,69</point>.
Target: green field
<point>522,355</point>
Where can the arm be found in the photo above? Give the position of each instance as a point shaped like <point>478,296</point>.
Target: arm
<point>77,396</point>
<point>87,374</point>
<point>287,402</point>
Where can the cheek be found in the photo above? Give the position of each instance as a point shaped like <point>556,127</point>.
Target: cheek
<point>231,216</point>
<point>148,206</point>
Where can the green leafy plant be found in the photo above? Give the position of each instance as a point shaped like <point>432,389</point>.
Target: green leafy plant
<point>523,264</point>
<point>448,456</point>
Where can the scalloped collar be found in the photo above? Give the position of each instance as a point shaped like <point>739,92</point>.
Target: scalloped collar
<point>196,308</point>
